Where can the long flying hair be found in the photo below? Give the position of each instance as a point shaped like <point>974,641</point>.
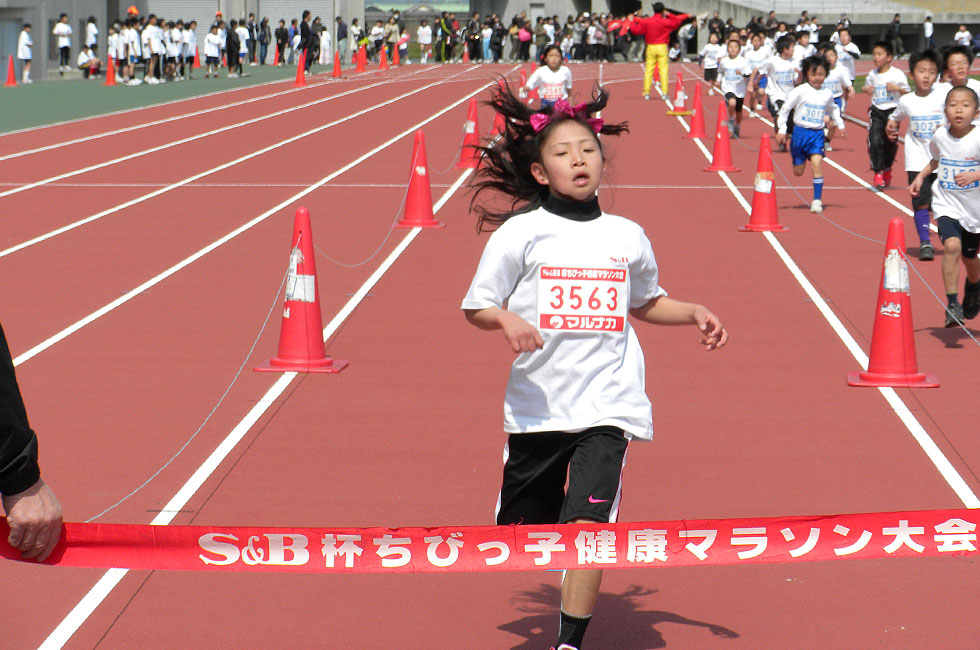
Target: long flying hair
<point>506,162</point>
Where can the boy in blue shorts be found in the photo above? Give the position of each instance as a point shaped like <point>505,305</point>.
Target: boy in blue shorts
<point>956,198</point>
<point>812,105</point>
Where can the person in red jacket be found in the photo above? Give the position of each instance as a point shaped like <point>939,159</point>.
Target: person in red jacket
<point>656,32</point>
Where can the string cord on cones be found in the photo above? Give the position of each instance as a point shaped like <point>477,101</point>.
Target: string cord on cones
<point>391,229</point>
<point>221,399</point>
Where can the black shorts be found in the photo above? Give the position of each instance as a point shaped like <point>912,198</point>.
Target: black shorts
<point>924,200</point>
<point>711,74</point>
<point>969,241</point>
<point>739,101</point>
<point>536,466</point>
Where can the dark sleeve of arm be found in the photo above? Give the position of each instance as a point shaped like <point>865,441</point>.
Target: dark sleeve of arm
<point>18,444</point>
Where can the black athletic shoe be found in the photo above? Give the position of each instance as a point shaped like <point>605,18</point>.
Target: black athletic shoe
<point>971,300</point>
<point>926,253</point>
<point>954,315</point>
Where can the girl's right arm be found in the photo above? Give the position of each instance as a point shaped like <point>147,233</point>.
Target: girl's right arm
<point>522,336</point>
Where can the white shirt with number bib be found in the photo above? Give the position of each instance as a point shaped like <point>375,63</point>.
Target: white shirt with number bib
<point>554,85</point>
<point>575,281</point>
<point>955,156</point>
<point>926,114</point>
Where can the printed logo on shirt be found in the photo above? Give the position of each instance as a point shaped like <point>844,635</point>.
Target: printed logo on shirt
<point>582,299</point>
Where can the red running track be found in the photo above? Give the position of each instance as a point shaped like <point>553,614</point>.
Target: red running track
<point>410,433</point>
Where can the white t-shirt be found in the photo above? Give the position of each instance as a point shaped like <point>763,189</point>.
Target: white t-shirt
<point>549,29</point>
<point>553,85</point>
<point>172,49</point>
<point>846,54</point>
<point>121,40</point>
<point>884,98</point>
<point>925,115</point>
<point>212,45</point>
<point>575,281</point>
<point>91,34</point>
<point>425,35</point>
<point>757,58</point>
<point>134,42</point>
<point>927,28</point>
<point>112,44</point>
<point>812,105</point>
<point>837,80</point>
<point>944,88</point>
<point>83,59</point>
<point>800,52</point>
<point>734,74</point>
<point>711,53</point>
<point>782,77</point>
<point>242,32</point>
<point>190,42</point>
<point>963,37</point>
<point>63,32</point>
<point>956,155</point>
<point>24,44</point>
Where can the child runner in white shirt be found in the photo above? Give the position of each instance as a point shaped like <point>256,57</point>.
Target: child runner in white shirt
<point>734,71</point>
<point>838,82</point>
<point>560,278</point>
<point>190,48</point>
<point>885,83</point>
<point>926,111</point>
<point>708,58</point>
<point>424,37</point>
<point>956,199</point>
<point>963,37</point>
<point>757,55</point>
<point>847,51</point>
<point>780,72</point>
<point>554,79</point>
<point>957,61</point>
<point>811,104</point>
<point>24,52</point>
<point>803,48</point>
<point>212,52</point>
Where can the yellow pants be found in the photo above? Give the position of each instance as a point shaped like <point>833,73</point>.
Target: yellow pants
<point>656,57</point>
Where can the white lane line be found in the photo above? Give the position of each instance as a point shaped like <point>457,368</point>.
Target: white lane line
<point>919,434</point>
<point>90,602</point>
<point>176,143</point>
<point>190,179</point>
<point>170,120</point>
<point>129,295</point>
<point>323,81</point>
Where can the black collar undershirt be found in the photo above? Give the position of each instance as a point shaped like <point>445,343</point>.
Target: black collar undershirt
<point>574,210</point>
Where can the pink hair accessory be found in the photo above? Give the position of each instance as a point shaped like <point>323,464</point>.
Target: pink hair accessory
<point>563,109</point>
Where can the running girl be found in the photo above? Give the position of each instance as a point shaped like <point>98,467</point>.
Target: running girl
<point>735,72</point>
<point>708,58</point>
<point>780,72</point>
<point>576,391</point>
<point>554,79</point>
<point>812,104</point>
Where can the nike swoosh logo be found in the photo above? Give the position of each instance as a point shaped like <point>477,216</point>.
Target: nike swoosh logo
<point>592,499</point>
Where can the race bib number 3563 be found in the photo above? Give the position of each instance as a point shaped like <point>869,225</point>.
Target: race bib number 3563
<point>582,299</point>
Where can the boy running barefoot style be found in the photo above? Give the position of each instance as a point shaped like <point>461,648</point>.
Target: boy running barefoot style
<point>780,72</point>
<point>885,84</point>
<point>926,111</point>
<point>811,104</point>
<point>956,198</point>
<point>554,79</point>
<point>708,58</point>
<point>735,71</point>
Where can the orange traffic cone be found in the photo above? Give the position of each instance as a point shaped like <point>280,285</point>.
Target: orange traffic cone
<point>275,57</point>
<point>336,65</point>
<point>11,73</point>
<point>721,154</point>
<point>680,97</point>
<point>383,64</point>
<point>469,157</point>
<point>764,215</point>
<point>466,53</point>
<point>396,57</point>
<point>697,118</point>
<point>110,72</point>
<point>361,59</point>
<point>418,201</point>
<point>892,361</point>
<point>301,346</point>
<point>300,70</point>
<point>197,58</point>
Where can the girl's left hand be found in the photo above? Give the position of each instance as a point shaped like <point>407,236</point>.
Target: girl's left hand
<point>715,335</point>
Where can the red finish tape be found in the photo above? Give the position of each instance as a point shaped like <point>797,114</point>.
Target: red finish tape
<point>928,533</point>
